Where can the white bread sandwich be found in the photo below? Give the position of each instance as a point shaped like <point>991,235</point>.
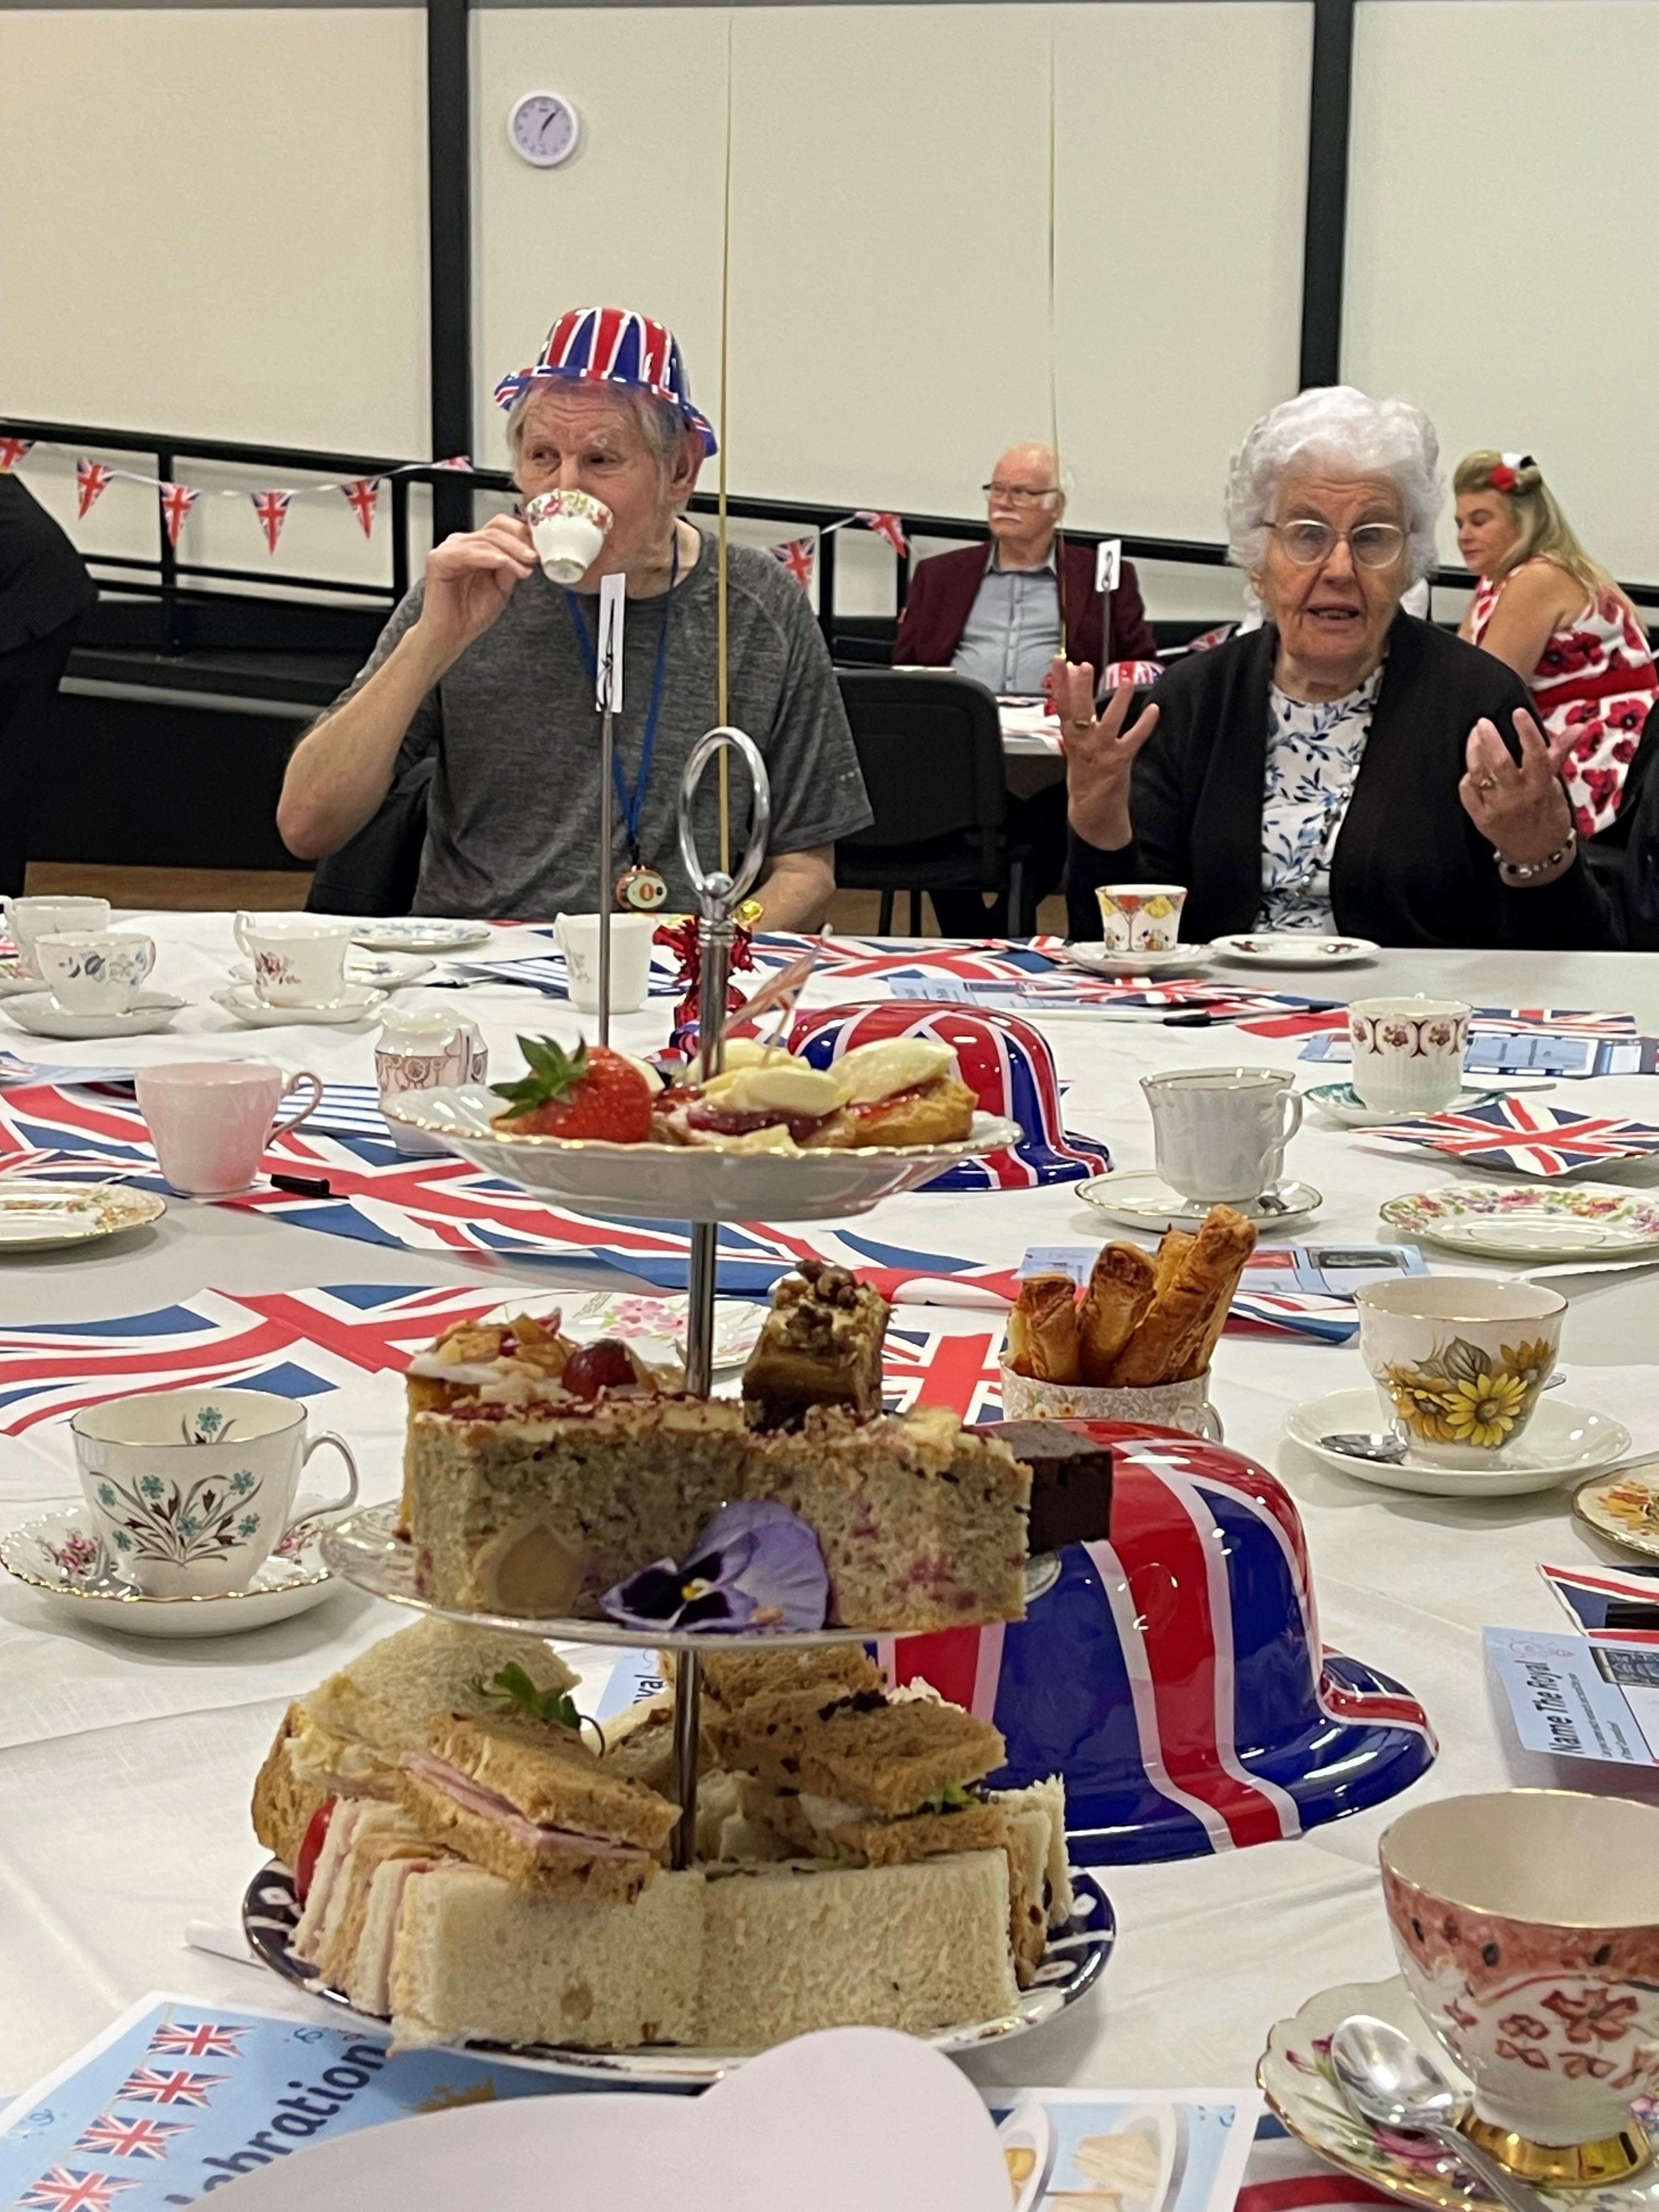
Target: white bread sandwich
<point>534,1805</point>
<point>345,1738</point>
<point>365,1838</point>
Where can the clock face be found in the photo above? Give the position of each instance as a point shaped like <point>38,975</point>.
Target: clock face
<point>544,128</point>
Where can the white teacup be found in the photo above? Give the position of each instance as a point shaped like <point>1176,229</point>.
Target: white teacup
<point>1459,1361</point>
<point>1140,917</point>
<point>212,1120</point>
<point>299,960</point>
<point>190,1491</point>
<point>568,529</point>
<point>1408,1053</point>
<point>630,959</point>
<point>31,918</point>
<point>420,1051</point>
<point>94,971</point>
<point>1220,1133</point>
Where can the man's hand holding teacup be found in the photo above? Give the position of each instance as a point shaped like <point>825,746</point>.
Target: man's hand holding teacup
<point>470,578</point>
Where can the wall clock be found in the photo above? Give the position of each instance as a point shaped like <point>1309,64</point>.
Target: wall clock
<point>544,128</point>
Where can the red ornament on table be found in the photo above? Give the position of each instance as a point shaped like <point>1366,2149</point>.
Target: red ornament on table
<point>684,938</point>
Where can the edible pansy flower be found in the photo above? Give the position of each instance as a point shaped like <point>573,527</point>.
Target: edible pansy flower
<point>756,1565</point>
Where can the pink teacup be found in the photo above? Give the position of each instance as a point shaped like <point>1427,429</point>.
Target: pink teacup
<point>1526,1922</point>
<point>211,1120</point>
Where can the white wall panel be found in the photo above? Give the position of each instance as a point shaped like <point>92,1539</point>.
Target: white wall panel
<point>1504,163</point>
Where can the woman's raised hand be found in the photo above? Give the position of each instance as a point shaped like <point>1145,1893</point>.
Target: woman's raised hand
<point>1520,805</point>
<point>1099,754</point>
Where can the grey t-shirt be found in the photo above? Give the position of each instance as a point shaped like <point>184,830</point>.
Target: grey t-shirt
<point>512,827</point>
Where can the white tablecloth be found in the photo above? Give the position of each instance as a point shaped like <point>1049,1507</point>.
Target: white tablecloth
<point>126,1765</point>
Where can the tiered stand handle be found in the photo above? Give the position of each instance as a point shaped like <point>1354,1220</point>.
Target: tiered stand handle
<point>717,895</point>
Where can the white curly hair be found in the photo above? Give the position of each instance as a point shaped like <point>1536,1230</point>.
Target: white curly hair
<point>1338,427</point>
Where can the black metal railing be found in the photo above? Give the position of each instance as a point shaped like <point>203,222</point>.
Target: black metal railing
<point>177,585</point>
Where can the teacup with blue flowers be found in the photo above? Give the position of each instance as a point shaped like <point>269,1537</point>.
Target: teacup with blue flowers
<point>190,1491</point>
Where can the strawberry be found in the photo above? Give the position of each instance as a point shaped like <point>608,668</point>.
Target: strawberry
<point>580,1094</point>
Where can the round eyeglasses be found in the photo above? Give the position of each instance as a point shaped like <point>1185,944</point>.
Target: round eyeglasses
<point>1017,494</point>
<point>1307,541</point>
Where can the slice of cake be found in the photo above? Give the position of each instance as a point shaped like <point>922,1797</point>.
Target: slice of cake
<point>921,1522</point>
<point>820,1345</point>
<point>1071,1482</point>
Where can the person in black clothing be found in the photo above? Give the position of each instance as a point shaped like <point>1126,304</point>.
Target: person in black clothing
<point>44,590</point>
<point>1346,766</point>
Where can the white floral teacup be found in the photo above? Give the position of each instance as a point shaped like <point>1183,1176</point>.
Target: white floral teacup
<point>1408,1053</point>
<point>1459,1361</point>
<point>1140,917</point>
<point>94,971</point>
<point>299,959</point>
<point>191,1491</point>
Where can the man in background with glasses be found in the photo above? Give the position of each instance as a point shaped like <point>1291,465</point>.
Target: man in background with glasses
<point>996,613</point>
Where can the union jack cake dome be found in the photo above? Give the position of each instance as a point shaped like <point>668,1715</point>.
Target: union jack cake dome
<point>1175,1675</point>
<point>612,345</point>
<point>1003,1060</point>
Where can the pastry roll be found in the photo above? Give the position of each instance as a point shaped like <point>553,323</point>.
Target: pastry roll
<point>1042,1332</point>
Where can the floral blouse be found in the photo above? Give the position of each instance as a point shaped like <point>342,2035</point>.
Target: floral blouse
<point>1314,753</point>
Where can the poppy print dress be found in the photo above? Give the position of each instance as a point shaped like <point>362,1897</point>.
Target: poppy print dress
<point>1595,678</point>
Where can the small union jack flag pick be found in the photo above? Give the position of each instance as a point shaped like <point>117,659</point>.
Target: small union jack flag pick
<point>12,450</point>
<point>92,480</point>
<point>890,526</point>
<point>363,497</point>
<point>271,507</point>
<point>799,557</point>
<point>177,501</point>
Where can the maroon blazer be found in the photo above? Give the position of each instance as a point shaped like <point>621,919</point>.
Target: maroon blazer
<point>943,590</point>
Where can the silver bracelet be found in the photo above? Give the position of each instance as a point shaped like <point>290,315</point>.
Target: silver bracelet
<point>1522,872</point>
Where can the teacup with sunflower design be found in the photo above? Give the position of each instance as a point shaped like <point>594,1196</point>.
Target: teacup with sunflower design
<point>1459,1361</point>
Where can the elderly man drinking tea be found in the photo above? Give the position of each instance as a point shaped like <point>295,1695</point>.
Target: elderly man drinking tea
<point>1347,765</point>
<point>490,666</point>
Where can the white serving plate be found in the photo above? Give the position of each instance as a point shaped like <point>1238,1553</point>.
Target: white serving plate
<point>46,1217</point>
<point>1531,1221</point>
<point>356,1003</point>
<point>656,1327</point>
<point>60,1555</point>
<point>1292,948</point>
<point>1075,1960</point>
<point>416,933</point>
<point>1561,1440</point>
<point>1141,1199</point>
<point>685,1182</point>
<point>40,1013</point>
<point>1103,960</point>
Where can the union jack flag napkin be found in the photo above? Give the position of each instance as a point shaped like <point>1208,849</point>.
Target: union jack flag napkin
<point>1525,1135</point>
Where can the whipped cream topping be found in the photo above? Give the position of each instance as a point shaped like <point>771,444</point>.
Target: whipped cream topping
<point>873,1071</point>
<point>786,1085</point>
<point>473,1797</point>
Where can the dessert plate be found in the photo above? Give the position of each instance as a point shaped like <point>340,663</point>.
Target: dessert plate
<point>417,932</point>
<point>687,1183</point>
<point>61,1556</point>
<point>40,1013</point>
<point>1075,1960</point>
<point>355,1004</point>
<point>1342,1103</point>
<point>1295,2075</point>
<point>1292,948</point>
<point>384,971</point>
<point>1103,960</point>
<point>1559,1440</point>
<point>45,1217</point>
<point>1549,1221</point>
<point>656,1327</point>
<point>1624,1508</point>
<point>1141,1199</point>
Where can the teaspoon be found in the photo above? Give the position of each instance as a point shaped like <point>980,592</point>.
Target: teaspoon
<point>1393,2084</point>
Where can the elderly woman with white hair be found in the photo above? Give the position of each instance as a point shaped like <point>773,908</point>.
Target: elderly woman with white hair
<point>1347,765</point>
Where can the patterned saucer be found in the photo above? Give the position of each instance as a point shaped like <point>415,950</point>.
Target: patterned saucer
<point>36,1216</point>
<point>1295,2075</point>
<point>1531,1221</point>
<point>1623,1508</point>
<point>61,1556</point>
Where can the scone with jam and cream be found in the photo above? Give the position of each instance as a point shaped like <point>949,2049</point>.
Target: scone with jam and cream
<point>901,1091</point>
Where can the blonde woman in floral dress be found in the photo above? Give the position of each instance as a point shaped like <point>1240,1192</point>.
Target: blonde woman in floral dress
<point>1556,617</point>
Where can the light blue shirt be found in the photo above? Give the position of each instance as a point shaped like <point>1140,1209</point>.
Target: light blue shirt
<point>1012,631</point>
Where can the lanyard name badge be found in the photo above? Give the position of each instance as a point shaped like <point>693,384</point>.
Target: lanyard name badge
<point>639,889</point>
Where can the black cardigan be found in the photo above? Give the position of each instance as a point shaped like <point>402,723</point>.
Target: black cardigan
<point>1409,867</point>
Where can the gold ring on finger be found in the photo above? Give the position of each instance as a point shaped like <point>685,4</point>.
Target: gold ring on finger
<point>1488,783</point>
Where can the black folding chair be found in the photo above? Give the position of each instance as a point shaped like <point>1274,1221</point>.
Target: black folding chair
<point>930,746</point>
<point>377,871</point>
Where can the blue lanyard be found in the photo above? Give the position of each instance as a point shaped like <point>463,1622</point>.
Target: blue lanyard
<point>632,807</point>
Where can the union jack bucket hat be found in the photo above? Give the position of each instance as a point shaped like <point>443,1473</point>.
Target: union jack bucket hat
<point>1173,1674</point>
<point>613,346</point>
<point>1003,1060</point>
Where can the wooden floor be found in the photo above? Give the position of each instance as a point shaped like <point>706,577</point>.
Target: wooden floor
<point>221,889</point>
